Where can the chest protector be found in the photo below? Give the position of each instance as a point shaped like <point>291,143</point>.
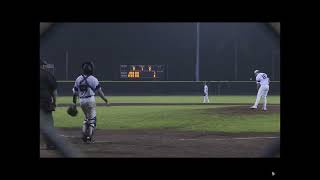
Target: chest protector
<point>83,85</point>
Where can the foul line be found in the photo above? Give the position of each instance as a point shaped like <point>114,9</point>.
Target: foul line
<point>238,138</point>
<point>68,136</point>
<point>216,139</point>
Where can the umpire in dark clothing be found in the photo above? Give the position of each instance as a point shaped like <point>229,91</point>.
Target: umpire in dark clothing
<point>48,93</point>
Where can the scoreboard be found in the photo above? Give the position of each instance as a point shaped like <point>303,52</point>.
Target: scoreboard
<point>143,72</point>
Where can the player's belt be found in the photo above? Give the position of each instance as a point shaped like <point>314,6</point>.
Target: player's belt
<point>85,97</point>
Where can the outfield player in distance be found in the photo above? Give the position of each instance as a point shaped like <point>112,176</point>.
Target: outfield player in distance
<point>86,85</point>
<point>263,88</point>
<point>205,93</point>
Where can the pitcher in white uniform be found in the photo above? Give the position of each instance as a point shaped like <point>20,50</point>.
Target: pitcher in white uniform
<point>205,93</point>
<point>263,89</point>
<point>86,85</point>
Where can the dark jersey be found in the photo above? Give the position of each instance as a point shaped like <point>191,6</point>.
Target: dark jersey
<point>48,84</point>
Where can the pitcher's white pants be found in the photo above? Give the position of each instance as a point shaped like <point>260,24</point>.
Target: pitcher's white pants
<point>206,99</point>
<point>263,92</point>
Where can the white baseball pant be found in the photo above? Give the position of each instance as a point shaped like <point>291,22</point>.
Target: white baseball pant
<point>206,99</point>
<point>88,106</point>
<point>262,92</point>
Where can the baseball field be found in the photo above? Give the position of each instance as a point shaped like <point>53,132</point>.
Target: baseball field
<point>173,126</point>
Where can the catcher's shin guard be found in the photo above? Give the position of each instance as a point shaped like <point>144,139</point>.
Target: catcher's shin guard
<point>92,127</point>
<point>85,130</point>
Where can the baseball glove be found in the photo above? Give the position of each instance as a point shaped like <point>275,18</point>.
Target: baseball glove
<point>72,110</point>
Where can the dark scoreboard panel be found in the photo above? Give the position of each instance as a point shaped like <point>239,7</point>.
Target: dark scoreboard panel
<point>143,72</point>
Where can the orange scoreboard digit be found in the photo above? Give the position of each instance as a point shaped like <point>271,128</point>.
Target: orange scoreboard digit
<point>143,72</point>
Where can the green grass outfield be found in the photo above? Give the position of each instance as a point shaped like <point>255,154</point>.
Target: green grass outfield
<point>178,117</point>
<point>176,99</point>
